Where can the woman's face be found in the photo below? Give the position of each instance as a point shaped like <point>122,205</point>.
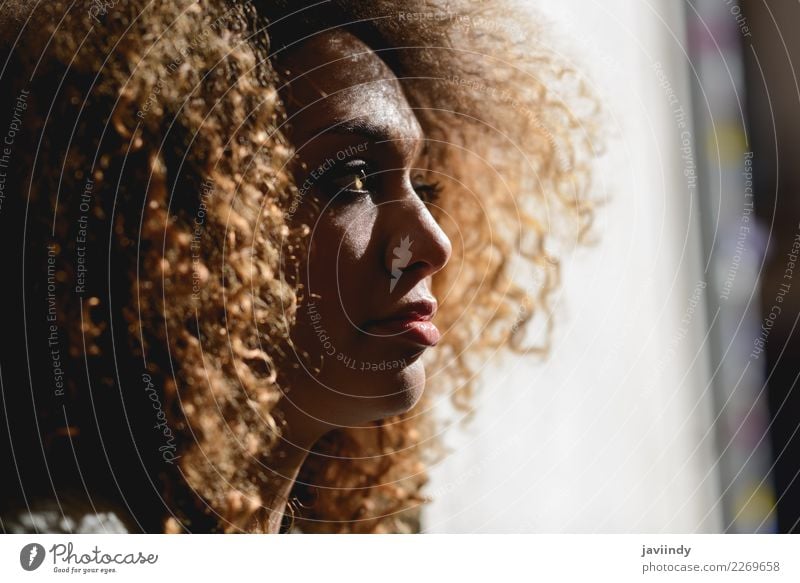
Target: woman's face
<point>365,316</point>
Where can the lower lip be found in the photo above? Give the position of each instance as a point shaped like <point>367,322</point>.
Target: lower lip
<point>422,332</point>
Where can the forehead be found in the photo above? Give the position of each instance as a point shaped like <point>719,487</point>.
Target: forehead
<point>334,79</point>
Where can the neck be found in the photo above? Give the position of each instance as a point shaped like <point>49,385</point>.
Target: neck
<point>299,435</point>
<point>289,458</point>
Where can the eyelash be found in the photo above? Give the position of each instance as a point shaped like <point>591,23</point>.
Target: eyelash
<point>338,181</point>
<point>428,192</point>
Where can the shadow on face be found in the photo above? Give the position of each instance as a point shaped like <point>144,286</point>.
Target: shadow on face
<point>365,315</point>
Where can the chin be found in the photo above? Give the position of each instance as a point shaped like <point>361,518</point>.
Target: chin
<point>409,385</point>
<point>389,393</point>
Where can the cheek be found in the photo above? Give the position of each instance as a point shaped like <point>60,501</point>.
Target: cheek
<point>340,256</point>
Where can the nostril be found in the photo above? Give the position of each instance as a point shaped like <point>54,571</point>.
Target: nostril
<point>418,247</point>
<point>423,254</point>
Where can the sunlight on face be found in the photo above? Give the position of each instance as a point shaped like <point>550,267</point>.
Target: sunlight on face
<point>367,303</point>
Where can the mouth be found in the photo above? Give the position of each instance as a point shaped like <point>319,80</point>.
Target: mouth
<point>412,323</point>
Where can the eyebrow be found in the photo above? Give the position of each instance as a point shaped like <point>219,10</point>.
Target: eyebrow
<point>376,133</point>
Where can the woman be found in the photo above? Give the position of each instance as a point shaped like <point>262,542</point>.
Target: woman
<point>246,237</point>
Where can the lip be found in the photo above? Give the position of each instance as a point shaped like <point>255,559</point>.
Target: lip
<point>411,322</point>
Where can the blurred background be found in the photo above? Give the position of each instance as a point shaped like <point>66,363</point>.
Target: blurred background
<point>669,401</point>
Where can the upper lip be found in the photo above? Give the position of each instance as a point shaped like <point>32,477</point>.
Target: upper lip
<point>422,310</point>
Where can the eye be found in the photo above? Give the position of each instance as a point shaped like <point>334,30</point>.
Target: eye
<point>353,176</point>
<point>429,192</point>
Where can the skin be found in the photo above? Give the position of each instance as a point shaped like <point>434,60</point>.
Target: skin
<point>351,125</point>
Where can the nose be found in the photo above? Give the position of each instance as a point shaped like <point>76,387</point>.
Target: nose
<point>416,246</point>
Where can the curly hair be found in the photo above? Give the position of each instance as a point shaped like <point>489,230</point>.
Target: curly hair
<point>151,191</point>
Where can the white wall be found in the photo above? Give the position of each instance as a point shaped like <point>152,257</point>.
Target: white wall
<point>612,433</point>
